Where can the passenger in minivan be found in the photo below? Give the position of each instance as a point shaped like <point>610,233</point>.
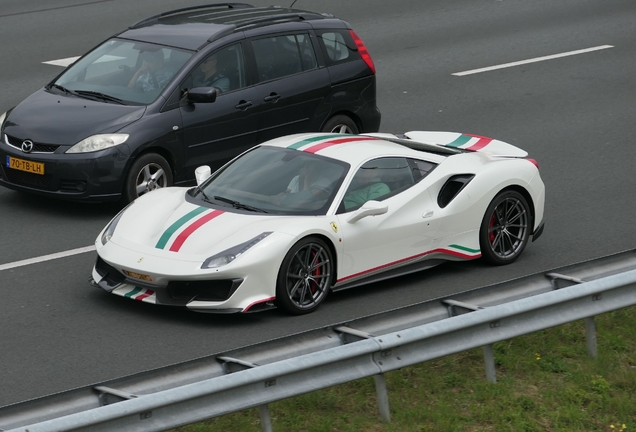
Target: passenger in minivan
<point>208,75</point>
<point>152,74</point>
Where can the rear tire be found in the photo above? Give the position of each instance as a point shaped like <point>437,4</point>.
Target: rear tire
<point>341,124</point>
<point>304,278</point>
<point>149,172</point>
<point>505,229</point>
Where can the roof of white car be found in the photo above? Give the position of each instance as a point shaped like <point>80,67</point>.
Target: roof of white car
<point>353,149</point>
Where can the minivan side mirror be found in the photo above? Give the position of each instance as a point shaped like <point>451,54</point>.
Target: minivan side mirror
<point>202,173</point>
<point>202,95</point>
<point>369,208</point>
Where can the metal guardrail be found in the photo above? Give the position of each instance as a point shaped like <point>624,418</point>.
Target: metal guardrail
<point>255,376</point>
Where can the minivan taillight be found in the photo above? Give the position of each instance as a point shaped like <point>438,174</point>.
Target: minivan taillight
<point>363,51</point>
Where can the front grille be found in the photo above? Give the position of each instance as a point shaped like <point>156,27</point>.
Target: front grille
<point>27,179</point>
<point>208,290</point>
<point>37,147</point>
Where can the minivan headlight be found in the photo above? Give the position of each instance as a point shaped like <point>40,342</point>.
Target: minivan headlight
<point>2,117</point>
<point>98,142</point>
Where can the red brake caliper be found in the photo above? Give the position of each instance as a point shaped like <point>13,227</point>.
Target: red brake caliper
<point>316,272</point>
<point>491,232</point>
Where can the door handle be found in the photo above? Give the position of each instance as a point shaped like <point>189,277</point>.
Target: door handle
<point>428,214</point>
<point>243,105</point>
<point>273,97</point>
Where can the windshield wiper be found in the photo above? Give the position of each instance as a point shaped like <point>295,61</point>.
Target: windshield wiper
<point>205,197</point>
<point>102,96</point>
<point>239,205</point>
<point>61,88</point>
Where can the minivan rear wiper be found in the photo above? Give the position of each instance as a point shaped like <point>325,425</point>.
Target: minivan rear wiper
<point>102,96</point>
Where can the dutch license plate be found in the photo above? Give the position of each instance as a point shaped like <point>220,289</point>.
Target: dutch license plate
<point>25,165</point>
<point>138,276</point>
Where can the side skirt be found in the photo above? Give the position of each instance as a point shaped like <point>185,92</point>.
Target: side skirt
<point>398,271</point>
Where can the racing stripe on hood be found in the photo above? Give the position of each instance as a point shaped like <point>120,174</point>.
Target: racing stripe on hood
<point>331,140</point>
<point>475,142</point>
<point>190,228</point>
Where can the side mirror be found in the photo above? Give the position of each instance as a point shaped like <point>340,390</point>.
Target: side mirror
<point>202,95</point>
<point>370,208</point>
<point>202,173</point>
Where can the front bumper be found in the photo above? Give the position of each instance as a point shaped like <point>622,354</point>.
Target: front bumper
<point>94,176</point>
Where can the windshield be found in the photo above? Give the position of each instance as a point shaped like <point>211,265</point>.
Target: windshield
<point>277,180</point>
<point>128,71</point>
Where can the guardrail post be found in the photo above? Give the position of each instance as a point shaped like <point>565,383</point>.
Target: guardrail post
<point>590,333</point>
<point>383,397</point>
<point>266,418</point>
<point>489,361</point>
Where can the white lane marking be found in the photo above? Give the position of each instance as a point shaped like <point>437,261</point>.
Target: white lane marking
<point>533,60</point>
<point>62,62</point>
<point>47,258</point>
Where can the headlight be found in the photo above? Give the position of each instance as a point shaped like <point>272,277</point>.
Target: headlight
<point>229,255</point>
<point>98,142</point>
<point>2,117</point>
<point>110,228</point>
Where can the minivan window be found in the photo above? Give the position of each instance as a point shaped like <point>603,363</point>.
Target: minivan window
<point>130,71</point>
<point>279,56</point>
<point>223,70</point>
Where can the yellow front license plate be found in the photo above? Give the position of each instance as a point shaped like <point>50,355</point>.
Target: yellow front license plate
<point>25,165</point>
<point>138,276</point>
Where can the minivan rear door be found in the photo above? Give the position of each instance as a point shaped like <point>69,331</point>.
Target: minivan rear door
<point>292,89</point>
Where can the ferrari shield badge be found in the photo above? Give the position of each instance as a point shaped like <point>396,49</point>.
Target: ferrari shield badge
<point>334,227</point>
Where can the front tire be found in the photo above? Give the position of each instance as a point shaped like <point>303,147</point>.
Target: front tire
<point>505,228</point>
<point>304,278</point>
<point>149,172</point>
<point>340,124</point>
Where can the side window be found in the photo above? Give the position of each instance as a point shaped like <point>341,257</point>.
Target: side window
<point>335,46</point>
<point>420,168</point>
<point>377,180</point>
<point>279,56</point>
<point>223,69</point>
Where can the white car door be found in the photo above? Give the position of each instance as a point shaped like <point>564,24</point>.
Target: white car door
<point>402,229</point>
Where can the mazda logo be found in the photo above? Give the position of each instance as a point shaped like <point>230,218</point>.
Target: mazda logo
<point>27,146</point>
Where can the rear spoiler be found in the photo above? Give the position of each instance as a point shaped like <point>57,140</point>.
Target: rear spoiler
<point>467,142</point>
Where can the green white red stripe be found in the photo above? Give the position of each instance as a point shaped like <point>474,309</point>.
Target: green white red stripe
<point>316,143</point>
<point>135,293</point>
<point>470,142</point>
<point>184,227</point>
<point>454,250</point>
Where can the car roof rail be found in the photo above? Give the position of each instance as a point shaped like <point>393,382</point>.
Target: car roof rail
<point>301,16</point>
<point>190,8</point>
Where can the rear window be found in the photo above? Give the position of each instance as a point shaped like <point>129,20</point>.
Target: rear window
<point>338,46</point>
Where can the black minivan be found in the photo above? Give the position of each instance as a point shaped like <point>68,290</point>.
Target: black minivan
<point>190,87</point>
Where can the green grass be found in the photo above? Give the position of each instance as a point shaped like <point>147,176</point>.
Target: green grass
<point>546,382</point>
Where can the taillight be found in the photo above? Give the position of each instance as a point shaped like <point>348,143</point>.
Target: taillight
<point>533,162</point>
<point>363,51</point>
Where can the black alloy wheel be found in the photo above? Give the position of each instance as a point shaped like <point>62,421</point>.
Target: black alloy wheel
<point>304,279</point>
<point>505,228</point>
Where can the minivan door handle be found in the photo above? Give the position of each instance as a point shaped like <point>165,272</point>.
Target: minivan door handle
<point>273,97</point>
<point>243,105</point>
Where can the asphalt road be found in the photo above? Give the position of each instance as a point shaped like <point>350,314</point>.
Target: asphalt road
<point>574,114</point>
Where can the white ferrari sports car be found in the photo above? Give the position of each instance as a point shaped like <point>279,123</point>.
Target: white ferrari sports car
<point>294,218</point>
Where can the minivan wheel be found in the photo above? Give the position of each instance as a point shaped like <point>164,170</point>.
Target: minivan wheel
<point>149,172</point>
<point>340,124</point>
